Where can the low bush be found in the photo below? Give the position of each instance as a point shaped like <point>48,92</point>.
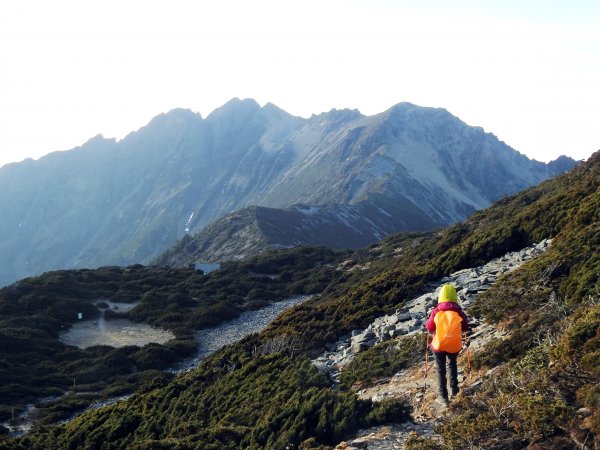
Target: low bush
<point>383,360</point>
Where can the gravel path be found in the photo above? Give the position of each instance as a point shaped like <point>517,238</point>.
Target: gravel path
<point>212,339</point>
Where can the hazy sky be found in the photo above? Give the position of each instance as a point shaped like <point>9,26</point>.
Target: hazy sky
<point>527,71</point>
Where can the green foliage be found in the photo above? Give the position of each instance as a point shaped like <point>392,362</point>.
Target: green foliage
<point>416,442</point>
<point>581,337</point>
<point>389,411</point>
<point>269,402</point>
<point>240,398</point>
<point>519,405</point>
<point>539,416</point>
<point>474,428</point>
<point>202,301</point>
<point>383,360</point>
<point>533,399</point>
<point>36,364</point>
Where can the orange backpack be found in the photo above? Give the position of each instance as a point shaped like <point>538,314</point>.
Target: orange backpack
<point>447,337</point>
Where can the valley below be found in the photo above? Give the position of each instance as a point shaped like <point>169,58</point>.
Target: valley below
<point>212,339</point>
<point>122,332</point>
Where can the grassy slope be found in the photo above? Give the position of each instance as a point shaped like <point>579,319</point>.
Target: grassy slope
<point>249,397</point>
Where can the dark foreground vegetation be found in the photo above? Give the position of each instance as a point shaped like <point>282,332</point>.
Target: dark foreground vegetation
<point>35,365</point>
<point>263,392</point>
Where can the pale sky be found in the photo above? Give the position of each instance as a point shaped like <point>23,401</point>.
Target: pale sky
<point>526,71</point>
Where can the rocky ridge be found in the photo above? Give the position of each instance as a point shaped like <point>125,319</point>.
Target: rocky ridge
<point>416,384</point>
<point>410,319</point>
<point>359,177</point>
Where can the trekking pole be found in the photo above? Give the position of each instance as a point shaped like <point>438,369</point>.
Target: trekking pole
<point>426,356</point>
<point>466,340</point>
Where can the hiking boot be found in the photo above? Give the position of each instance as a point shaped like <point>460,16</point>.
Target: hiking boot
<point>455,392</point>
<point>444,401</point>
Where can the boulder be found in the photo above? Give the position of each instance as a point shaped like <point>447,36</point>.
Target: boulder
<point>393,319</point>
<point>368,335</point>
<point>360,443</point>
<point>412,324</point>
<point>357,347</point>
<point>370,343</point>
<point>386,329</point>
<point>418,315</point>
<point>403,317</point>
<point>341,347</point>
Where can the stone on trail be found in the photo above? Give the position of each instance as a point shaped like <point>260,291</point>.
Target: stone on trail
<point>410,318</point>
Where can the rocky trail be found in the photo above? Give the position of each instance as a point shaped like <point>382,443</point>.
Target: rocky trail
<point>412,385</point>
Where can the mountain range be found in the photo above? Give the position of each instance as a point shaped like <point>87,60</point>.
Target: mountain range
<point>531,377</point>
<point>339,179</point>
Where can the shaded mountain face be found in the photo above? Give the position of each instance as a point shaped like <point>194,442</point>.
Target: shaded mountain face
<point>252,230</point>
<point>541,322</point>
<point>110,202</point>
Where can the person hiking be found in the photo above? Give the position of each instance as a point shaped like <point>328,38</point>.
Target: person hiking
<point>447,322</point>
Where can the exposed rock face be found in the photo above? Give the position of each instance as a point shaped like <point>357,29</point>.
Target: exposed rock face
<point>357,179</point>
<point>411,318</point>
<point>109,202</point>
<point>254,229</point>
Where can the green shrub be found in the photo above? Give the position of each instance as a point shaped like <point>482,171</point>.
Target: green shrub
<point>383,360</point>
<point>416,442</point>
<point>389,411</point>
<point>474,428</point>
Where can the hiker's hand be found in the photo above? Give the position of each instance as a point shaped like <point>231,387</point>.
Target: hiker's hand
<point>466,343</point>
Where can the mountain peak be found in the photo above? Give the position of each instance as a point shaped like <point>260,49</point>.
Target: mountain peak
<point>407,108</point>
<point>183,172</point>
<point>561,164</point>
<point>175,115</point>
<point>337,116</point>
<point>274,110</point>
<point>236,106</point>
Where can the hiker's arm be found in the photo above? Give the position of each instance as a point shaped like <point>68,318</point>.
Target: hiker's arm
<point>430,325</point>
<point>464,325</point>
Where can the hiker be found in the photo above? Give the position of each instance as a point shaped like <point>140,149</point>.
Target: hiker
<point>447,322</point>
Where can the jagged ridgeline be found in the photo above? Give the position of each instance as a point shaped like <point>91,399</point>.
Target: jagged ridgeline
<point>362,177</point>
<point>543,394</point>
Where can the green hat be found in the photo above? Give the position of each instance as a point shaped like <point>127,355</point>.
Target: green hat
<point>448,294</point>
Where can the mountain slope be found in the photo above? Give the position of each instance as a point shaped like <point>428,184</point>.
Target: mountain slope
<point>253,230</point>
<point>543,392</point>
<point>124,202</point>
<point>415,152</point>
<point>118,203</point>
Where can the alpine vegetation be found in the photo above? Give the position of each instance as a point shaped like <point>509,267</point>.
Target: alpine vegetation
<point>530,379</point>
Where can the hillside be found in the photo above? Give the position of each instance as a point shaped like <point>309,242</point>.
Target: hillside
<point>252,230</point>
<point>38,367</point>
<point>125,202</point>
<point>542,391</point>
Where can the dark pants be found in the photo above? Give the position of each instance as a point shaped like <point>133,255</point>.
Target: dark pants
<point>440,359</point>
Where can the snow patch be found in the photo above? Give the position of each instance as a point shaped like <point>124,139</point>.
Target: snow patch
<point>187,225</point>
<point>384,212</point>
